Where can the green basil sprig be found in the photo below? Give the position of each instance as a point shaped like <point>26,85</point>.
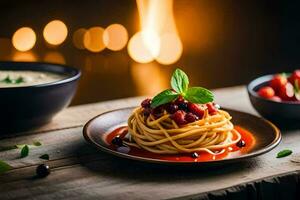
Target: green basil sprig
<point>180,86</point>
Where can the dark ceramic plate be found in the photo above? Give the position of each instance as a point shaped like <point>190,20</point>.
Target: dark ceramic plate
<point>266,134</point>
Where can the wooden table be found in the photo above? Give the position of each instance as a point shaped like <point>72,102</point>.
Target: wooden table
<point>81,172</point>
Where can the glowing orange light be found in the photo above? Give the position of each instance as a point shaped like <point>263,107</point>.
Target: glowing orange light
<point>170,49</point>
<point>115,37</point>
<point>158,38</point>
<point>138,50</point>
<point>55,32</point>
<point>24,39</point>
<point>54,57</point>
<point>92,39</point>
<point>78,38</point>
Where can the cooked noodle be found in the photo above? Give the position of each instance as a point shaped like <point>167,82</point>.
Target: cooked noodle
<point>212,133</point>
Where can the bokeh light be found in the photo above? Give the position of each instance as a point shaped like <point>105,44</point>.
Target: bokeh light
<point>55,32</point>
<point>93,39</point>
<point>170,49</point>
<point>78,38</point>
<point>115,37</point>
<point>142,50</point>
<point>24,39</point>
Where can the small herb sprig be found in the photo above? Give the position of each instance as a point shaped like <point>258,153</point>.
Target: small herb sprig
<point>9,80</point>
<point>180,87</point>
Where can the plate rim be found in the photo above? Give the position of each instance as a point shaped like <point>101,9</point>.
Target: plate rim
<point>269,147</point>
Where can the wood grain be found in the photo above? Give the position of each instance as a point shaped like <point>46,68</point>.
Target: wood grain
<point>82,172</point>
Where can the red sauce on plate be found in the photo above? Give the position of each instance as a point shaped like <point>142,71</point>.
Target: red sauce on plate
<point>232,151</point>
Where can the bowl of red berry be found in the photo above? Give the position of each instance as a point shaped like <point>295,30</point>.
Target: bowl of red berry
<point>277,97</point>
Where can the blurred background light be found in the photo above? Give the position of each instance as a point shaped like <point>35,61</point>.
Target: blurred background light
<point>78,36</point>
<point>158,38</point>
<point>115,37</point>
<point>139,50</point>
<point>93,39</point>
<point>55,32</point>
<point>24,39</point>
<point>170,49</point>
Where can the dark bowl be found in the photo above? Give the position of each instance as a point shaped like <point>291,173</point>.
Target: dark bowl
<point>26,107</point>
<point>281,113</point>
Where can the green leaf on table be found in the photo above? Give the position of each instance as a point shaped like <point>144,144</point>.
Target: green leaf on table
<point>37,143</point>
<point>180,81</point>
<point>4,167</point>
<point>45,156</point>
<point>284,153</point>
<point>165,96</point>
<point>24,151</point>
<point>199,95</point>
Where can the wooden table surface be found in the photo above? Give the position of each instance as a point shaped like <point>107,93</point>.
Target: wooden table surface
<point>79,171</point>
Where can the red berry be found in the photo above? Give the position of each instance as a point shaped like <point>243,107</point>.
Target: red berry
<point>278,81</point>
<point>190,117</point>
<point>196,109</point>
<point>212,110</point>
<point>146,103</point>
<point>286,92</point>
<point>276,98</point>
<point>266,92</point>
<point>171,108</point>
<point>295,76</point>
<point>179,117</point>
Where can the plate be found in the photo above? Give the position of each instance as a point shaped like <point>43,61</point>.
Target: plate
<point>267,136</point>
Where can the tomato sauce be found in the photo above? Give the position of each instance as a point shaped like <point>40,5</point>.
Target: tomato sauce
<point>231,151</point>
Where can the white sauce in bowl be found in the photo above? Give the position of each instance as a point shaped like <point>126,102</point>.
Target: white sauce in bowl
<point>20,78</point>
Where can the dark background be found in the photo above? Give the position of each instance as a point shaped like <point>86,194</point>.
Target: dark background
<point>225,43</point>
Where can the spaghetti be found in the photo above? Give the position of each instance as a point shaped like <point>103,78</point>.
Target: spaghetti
<point>213,133</point>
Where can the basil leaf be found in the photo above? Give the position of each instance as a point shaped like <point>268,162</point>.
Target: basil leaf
<point>37,143</point>
<point>180,81</point>
<point>45,157</point>
<point>7,80</point>
<point>199,95</point>
<point>19,80</point>
<point>165,96</point>
<point>284,153</point>
<point>25,151</point>
<point>4,167</point>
